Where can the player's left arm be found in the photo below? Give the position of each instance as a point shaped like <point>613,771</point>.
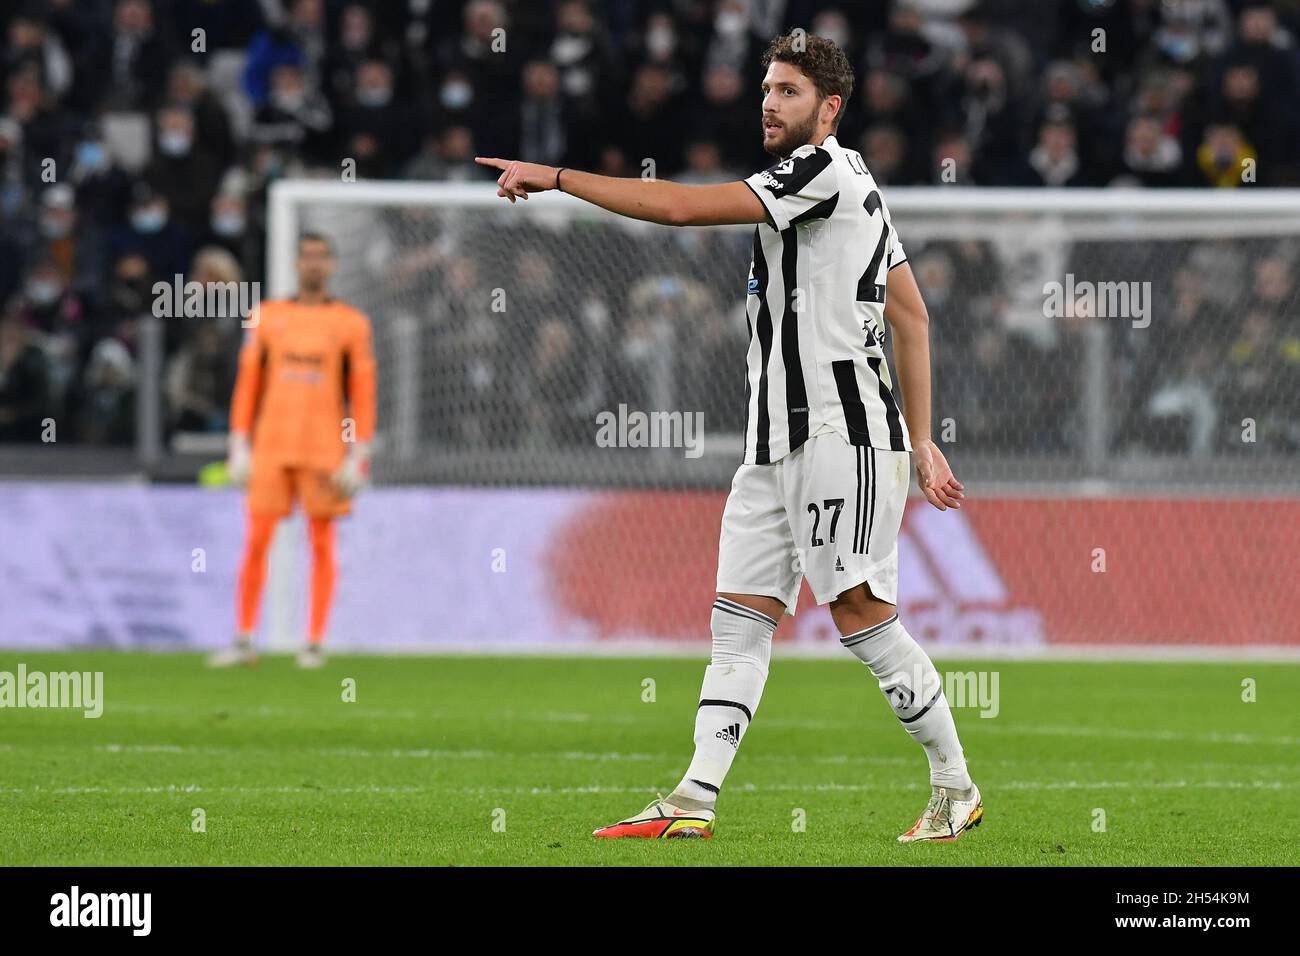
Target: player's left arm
<point>910,322</point>
<point>652,200</point>
<point>249,377</point>
<point>360,375</point>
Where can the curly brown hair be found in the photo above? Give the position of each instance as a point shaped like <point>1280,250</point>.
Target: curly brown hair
<point>820,59</point>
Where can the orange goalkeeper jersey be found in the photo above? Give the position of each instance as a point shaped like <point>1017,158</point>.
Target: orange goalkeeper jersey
<point>304,370</point>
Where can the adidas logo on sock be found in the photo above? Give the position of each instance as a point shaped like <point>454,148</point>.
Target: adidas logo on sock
<point>730,734</point>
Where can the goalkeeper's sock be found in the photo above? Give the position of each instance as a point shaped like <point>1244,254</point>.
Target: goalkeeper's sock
<point>733,685</point>
<point>912,686</point>
<point>252,572</point>
<point>324,572</point>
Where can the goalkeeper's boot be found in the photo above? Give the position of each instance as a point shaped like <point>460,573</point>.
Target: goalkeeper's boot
<point>662,821</point>
<point>310,657</point>
<point>241,654</point>
<point>948,815</point>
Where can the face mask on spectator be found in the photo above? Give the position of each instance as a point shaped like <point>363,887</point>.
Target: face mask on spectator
<point>129,295</point>
<point>92,157</point>
<point>44,292</point>
<point>375,96</point>
<point>660,41</point>
<point>174,144</point>
<point>730,23</point>
<point>55,226</point>
<point>228,224</point>
<point>149,219</point>
<point>839,37</point>
<point>457,96</point>
<point>290,102</point>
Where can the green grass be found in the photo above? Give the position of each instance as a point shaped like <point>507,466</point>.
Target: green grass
<point>414,770</point>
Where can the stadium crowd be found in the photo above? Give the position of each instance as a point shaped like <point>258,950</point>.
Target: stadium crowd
<point>138,139</point>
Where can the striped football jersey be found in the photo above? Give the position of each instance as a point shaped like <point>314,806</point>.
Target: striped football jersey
<point>816,307</point>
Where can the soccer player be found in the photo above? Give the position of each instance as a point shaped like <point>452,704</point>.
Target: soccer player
<point>301,422</point>
<point>824,479</point>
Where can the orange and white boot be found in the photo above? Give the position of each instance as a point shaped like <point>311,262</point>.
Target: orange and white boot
<point>662,821</point>
<point>948,815</point>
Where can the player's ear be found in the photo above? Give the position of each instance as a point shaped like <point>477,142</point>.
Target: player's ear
<point>831,107</point>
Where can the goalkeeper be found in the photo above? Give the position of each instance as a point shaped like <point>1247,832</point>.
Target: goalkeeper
<point>301,422</point>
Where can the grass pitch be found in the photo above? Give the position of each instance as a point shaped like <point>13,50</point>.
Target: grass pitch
<point>513,761</point>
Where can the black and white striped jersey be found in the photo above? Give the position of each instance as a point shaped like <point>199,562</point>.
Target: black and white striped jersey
<point>816,307</point>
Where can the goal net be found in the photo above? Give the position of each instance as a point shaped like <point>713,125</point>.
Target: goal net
<point>1117,381</point>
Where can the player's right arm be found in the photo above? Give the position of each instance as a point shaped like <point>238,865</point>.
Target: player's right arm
<point>243,403</point>
<point>910,322</point>
<point>652,200</point>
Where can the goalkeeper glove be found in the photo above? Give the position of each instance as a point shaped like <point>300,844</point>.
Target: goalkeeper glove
<point>239,461</point>
<point>354,473</point>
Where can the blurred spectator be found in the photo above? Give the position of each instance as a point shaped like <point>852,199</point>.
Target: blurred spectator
<point>299,41</point>
<point>199,380</point>
<point>151,232</point>
<point>294,118</point>
<point>543,136</point>
<point>187,88</point>
<point>183,171</point>
<point>108,389</point>
<point>50,307</point>
<point>377,130</point>
<point>31,44</point>
<point>449,157</point>
<point>1055,160</point>
<point>731,118</point>
<point>132,64</point>
<point>24,383</point>
<point>704,164</point>
<point>883,147</point>
<point>647,129</point>
<point>1151,156</point>
<point>1223,156</point>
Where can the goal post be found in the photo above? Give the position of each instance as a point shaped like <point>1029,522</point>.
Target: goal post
<point>422,258</point>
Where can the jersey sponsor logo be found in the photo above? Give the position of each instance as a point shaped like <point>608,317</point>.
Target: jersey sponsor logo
<point>793,174</point>
<point>316,359</point>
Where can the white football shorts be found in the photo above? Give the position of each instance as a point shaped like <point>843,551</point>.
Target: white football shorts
<point>828,510</point>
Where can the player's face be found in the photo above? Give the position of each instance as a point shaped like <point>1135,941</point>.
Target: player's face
<point>315,265</point>
<point>790,107</point>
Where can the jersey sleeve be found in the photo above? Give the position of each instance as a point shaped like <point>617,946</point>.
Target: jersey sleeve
<point>248,379</point>
<point>896,254</point>
<point>360,378</point>
<point>799,189</point>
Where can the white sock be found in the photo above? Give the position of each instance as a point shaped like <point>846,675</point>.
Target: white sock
<point>733,685</point>
<point>912,686</point>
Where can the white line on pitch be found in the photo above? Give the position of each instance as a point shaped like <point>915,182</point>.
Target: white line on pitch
<point>1031,785</point>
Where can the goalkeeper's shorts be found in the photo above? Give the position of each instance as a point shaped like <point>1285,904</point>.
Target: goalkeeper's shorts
<point>829,511</point>
<point>273,489</point>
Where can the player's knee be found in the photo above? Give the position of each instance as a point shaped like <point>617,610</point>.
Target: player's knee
<point>857,609</point>
<point>741,635</point>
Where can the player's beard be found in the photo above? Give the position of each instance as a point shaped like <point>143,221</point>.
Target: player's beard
<point>793,135</point>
